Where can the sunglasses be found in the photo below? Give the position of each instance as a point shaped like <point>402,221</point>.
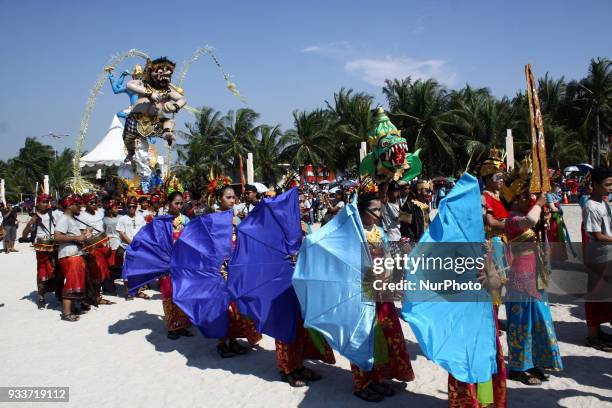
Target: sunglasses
<point>132,206</point>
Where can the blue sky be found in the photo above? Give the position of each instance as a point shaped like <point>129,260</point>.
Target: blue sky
<point>284,55</point>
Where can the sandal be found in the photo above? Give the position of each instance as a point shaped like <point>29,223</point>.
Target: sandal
<point>236,348</point>
<point>41,304</point>
<point>173,335</point>
<point>293,379</point>
<point>224,351</point>
<point>103,301</point>
<point>539,374</point>
<point>382,388</point>
<point>185,333</point>
<point>597,344</point>
<point>307,374</point>
<point>70,318</point>
<point>368,395</point>
<point>524,378</point>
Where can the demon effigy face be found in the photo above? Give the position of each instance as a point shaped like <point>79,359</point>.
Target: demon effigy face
<point>160,72</point>
<point>391,151</point>
<point>389,159</point>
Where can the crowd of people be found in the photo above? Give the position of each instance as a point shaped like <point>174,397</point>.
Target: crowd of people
<point>81,244</point>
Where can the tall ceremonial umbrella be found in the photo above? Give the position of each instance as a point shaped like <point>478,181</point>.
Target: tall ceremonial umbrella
<point>148,256</point>
<point>459,336</point>
<point>261,267</point>
<point>327,281</point>
<point>198,287</point>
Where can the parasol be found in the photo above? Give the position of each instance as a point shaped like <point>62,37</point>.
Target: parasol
<point>198,286</point>
<point>459,336</point>
<point>148,256</point>
<point>261,267</point>
<point>327,281</point>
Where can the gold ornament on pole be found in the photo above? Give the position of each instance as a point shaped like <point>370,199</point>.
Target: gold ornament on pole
<point>540,182</point>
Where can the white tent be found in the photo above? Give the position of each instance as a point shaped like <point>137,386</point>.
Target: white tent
<point>110,151</point>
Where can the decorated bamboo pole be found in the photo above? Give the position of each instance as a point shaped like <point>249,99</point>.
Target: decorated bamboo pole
<point>250,169</point>
<point>2,192</point>
<point>363,151</point>
<point>46,185</point>
<point>35,193</point>
<point>509,150</point>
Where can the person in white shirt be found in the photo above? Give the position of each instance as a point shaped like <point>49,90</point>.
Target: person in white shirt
<point>42,224</point>
<point>69,236</point>
<point>110,221</point>
<point>97,256</point>
<point>250,198</point>
<point>144,209</point>
<point>127,227</point>
<point>597,216</point>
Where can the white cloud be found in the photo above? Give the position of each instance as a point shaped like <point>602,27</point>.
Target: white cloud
<point>375,71</point>
<point>337,49</point>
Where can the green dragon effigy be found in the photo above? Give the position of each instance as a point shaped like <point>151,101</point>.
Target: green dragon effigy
<point>389,159</point>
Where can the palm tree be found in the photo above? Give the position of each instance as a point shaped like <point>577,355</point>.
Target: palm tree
<point>237,137</point>
<point>267,154</point>
<point>30,165</point>
<point>423,110</point>
<point>59,170</point>
<point>552,97</point>
<point>480,122</point>
<point>197,156</point>
<point>308,142</point>
<point>353,119</point>
<point>594,97</point>
<point>563,145</point>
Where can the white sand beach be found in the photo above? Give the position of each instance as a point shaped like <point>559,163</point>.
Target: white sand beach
<point>119,356</point>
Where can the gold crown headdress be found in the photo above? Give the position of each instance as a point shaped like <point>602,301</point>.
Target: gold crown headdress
<point>519,181</point>
<point>493,164</point>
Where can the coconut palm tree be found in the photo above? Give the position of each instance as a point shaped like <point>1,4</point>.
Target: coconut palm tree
<point>59,170</point>
<point>309,142</point>
<point>353,119</point>
<point>594,97</point>
<point>423,111</point>
<point>480,123</point>
<point>197,157</point>
<point>267,154</point>
<point>30,164</point>
<point>236,137</point>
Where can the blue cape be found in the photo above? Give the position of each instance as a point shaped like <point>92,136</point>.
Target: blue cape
<point>198,287</point>
<point>260,269</point>
<point>327,281</point>
<point>459,336</point>
<point>148,256</point>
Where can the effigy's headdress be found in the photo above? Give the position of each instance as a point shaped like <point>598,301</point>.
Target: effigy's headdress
<point>137,71</point>
<point>493,164</point>
<point>382,127</point>
<point>519,181</point>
